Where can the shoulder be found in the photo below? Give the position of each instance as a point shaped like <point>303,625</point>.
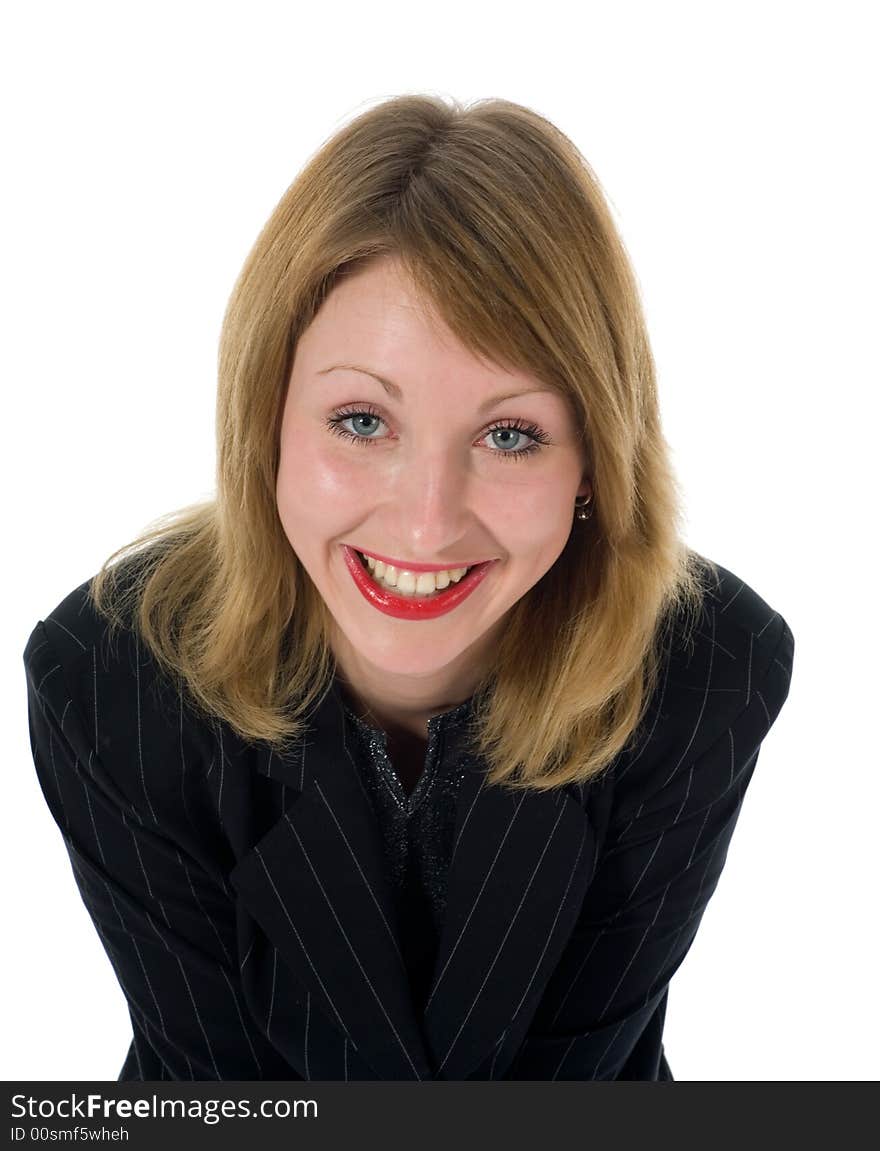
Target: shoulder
<point>102,693</point>
<point>722,683</point>
<point>73,641</point>
<point>739,652</point>
<point>61,647</point>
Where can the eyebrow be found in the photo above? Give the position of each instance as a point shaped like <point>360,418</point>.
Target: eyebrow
<point>396,392</point>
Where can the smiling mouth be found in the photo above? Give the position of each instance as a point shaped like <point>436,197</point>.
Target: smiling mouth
<point>411,583</point>
<point>419,603</point>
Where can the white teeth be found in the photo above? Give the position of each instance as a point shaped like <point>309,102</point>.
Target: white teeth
<point>409,583</point>
<point>406,583</point>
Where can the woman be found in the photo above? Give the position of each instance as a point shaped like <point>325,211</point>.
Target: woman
<point>415,754</point>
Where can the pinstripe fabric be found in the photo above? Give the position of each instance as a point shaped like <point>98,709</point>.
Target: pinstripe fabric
<point>242,899</point>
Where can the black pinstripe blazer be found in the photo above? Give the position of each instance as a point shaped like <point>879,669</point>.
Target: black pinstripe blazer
<point>241,897</point>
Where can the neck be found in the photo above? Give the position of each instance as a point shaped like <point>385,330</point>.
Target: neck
<point>403,703</point>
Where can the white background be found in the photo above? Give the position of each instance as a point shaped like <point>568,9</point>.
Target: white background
<point>143,149</point>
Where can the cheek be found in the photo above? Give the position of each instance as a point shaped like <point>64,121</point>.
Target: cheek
<point>532,520</point>
<point>313,476</point>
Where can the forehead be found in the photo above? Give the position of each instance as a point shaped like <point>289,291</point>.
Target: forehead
<point>376,318</point>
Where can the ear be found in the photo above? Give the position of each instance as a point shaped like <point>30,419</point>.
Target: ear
<point>586,488</point>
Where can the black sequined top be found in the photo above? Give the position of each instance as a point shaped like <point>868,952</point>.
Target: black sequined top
<point>417,830</point>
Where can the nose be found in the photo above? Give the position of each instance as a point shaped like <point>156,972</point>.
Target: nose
<point>428,505</point>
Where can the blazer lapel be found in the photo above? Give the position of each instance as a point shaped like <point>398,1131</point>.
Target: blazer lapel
<point>315,883</point>
<point>520,870</point>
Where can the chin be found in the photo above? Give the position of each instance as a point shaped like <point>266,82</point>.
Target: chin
<point>411,658</point>
<point>410,650</point>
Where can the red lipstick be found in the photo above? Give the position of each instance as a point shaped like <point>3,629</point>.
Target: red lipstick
<point>406,565</point>
<point>413,607</point>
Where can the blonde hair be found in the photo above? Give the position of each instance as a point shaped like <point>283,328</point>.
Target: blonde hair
<point>504,229</point>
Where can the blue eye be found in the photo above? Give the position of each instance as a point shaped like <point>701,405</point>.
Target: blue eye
<point>506,434</point>
<point>359,419</point>
<point>509,432</point>
<point>507,437</point>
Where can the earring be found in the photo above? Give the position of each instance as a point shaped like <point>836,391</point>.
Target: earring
<point>581,504</point>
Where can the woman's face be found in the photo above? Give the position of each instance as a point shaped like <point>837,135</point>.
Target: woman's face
<point>453,464</point>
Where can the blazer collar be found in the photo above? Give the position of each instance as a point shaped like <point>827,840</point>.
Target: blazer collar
<point>315,884</point>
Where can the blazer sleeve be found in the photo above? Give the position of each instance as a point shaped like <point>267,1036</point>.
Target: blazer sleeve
<point>168,927</point>
<point>661,861</point>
